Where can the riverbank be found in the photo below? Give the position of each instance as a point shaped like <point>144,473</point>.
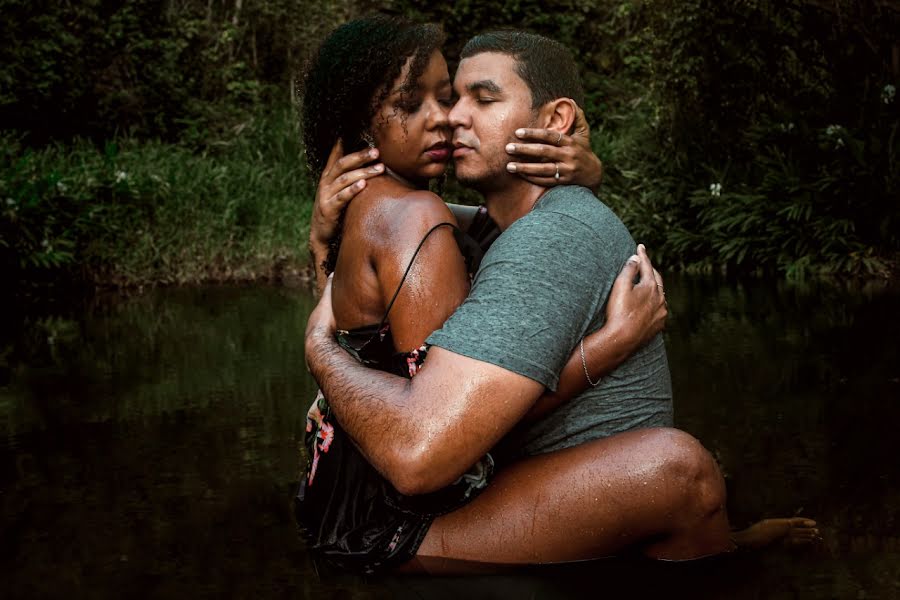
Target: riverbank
<point>132,213</point>
<point>143,213</point>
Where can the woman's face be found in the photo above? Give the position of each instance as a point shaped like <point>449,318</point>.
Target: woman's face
<point>411,130</point>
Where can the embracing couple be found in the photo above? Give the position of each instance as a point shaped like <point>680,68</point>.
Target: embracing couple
<point>499,399</point>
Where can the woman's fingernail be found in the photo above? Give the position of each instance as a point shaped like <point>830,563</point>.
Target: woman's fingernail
<point>510,147</point>
<point>360,184</point>
<point>642,247</point>
<point>373,152</point>
<point>511,167</point>
<point>520,132</point>
<point>633,258</point>
<point>378,168</point>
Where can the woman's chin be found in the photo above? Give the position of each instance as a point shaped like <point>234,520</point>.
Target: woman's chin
<point>435,169</point>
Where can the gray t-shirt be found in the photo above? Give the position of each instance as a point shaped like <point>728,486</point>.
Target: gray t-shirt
<point>541,287</point>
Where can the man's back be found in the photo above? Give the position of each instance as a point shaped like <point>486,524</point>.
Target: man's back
<point>543,286</point>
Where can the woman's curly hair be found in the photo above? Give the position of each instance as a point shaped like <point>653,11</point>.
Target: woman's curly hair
<point>349,78</point>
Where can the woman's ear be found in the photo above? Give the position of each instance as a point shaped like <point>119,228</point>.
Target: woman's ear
<point>559,115</point>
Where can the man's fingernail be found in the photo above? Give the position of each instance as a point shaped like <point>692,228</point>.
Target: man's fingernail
<point>510,147</point>
<point>642,247</point>
<point>633,258</point>
<point>520,132</point>
<point>511,167</point>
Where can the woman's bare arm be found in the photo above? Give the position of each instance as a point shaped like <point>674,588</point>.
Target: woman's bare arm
<point>342,179</point>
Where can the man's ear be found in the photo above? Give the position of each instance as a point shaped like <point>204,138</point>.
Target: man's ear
<point>559,115</point>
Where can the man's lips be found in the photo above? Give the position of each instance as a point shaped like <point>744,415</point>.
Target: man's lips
<point>460,150</point>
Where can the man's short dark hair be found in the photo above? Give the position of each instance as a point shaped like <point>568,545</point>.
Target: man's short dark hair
<point>544,64</point>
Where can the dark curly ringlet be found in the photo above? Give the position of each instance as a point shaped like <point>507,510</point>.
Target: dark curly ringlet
<point>350,76</point>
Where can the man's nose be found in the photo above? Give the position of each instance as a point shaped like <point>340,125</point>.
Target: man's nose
<point>459,114</point>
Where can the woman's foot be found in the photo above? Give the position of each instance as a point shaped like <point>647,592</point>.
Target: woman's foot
<point>797,531</point>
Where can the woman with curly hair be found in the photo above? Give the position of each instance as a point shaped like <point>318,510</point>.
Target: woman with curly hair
<point>401,266</point>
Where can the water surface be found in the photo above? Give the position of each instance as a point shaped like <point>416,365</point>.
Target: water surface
<point>149,446</point>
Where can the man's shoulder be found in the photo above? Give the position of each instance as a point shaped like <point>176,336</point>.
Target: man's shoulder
<point>580,204</point>
<point>573,215</point>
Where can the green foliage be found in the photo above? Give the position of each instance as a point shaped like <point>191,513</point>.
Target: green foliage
<point>176,70</point>
<point>790,106</point>
<point>151,212</point>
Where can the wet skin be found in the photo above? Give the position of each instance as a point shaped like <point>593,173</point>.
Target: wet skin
<point>415,438</point>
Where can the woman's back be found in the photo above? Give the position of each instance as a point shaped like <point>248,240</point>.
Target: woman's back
<point>384,227</point>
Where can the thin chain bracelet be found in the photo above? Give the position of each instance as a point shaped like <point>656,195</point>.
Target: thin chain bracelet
<point>584,365</point>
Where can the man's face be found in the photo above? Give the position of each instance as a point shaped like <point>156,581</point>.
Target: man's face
<point>493,102</point>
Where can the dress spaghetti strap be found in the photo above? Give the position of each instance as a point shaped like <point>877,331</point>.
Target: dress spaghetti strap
<point>409,266</point>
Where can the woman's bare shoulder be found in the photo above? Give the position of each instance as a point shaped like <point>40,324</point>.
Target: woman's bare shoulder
<point>392,216</point>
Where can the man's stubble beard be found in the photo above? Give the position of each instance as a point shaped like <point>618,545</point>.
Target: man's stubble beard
<point>492,179</point>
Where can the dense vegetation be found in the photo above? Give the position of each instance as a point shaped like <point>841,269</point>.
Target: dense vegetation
<point>155,141</point>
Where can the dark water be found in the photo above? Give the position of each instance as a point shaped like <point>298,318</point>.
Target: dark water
<point>149,447</point>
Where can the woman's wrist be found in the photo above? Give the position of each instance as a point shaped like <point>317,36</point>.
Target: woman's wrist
<point>622,335</point>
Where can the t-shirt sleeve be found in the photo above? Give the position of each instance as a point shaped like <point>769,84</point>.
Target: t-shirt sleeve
<point>539,288</point>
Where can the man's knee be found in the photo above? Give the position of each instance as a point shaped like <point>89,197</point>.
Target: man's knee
<point>692,470</point>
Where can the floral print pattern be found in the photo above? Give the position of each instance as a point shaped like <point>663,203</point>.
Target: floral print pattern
<point>323,432</point>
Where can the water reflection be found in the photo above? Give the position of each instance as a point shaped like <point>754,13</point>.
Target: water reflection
<point>149,446</point>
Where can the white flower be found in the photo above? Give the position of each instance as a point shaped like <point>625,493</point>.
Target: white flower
<point>832,130</point>
<point>10,202</point>
<point>121,176</point>
<point>61,187</point>
<point>715,189</point>
<point>45,243</point>
<point>888,93</point>
<point>839,143</point>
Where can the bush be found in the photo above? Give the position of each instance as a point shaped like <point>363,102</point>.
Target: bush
<point>788,106</point>
<point>788,109</point>
<point>152,212</point>
<point>186,70</point>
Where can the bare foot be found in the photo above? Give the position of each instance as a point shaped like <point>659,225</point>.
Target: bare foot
<point>796,531</point>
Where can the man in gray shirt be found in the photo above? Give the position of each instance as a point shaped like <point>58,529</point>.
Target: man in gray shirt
<point>540,289</point>
<point>578,492</point>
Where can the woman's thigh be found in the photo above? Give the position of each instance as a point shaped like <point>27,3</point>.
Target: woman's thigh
<point>589,501</point>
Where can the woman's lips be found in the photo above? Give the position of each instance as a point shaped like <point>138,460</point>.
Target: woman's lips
<point>438,153</point>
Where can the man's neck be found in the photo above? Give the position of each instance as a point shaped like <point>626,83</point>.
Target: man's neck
<point>505,206</point>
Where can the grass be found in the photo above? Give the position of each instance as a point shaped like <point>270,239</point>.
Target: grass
<point>147,212</point>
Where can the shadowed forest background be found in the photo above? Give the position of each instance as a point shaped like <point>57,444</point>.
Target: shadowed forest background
<point>150,142</point>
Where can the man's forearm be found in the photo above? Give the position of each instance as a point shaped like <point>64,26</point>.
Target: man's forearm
<point>421,434</point>
<point>358,396</point>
